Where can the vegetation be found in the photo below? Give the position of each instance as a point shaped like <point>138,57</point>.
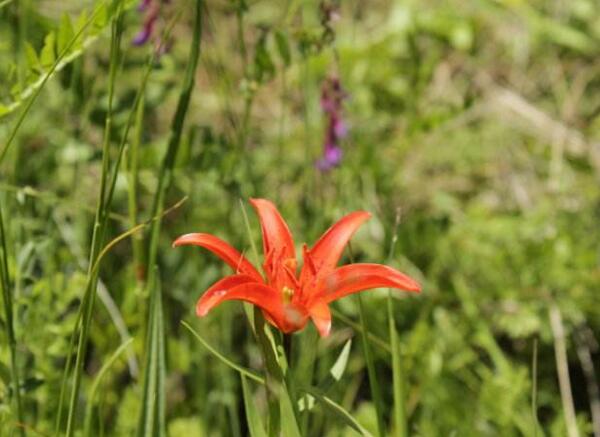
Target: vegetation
<point>470,129</point>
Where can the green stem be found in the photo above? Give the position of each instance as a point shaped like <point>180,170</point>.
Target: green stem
<point>100,222</point>
<point>133,161</point>
<point>371,371</point>
<point>10,330</point>
<point>398,376</point>
<point>398,384</point>
<point>155,372</point>
<point>21,34</point>
<point>373,381</point>
<point>166,170</point>
<point>94,389</point>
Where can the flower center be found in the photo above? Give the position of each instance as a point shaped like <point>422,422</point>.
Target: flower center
<point>287,293</point>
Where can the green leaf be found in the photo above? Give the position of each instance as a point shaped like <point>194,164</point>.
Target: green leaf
<point>338,368</point>
<point>48,53</point>
<point>101,19</point>
<point>82,21</point>
<point>283,46</point>
<point>337,410</point>
<point>33,61</point>
<point>255,424</point>
<point>65,33</point>
<point>265,68</point>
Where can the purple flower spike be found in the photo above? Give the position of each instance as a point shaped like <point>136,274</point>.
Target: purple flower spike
<point>340,128</point>
<point>147,30</point>
<point>144,5</point>
<point>331,158</point>
<point>332,96</point>
<point>142,37</point>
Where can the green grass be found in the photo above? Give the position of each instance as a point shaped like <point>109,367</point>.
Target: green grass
<point>475,122</point>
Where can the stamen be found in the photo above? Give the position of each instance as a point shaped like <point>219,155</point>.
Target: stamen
<point>287,293</point>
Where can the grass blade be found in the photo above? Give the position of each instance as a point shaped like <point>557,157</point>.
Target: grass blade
<point>338,368</point>
<point>242,370</point>
<point>400,423</point>
<point>373,382</point>
<point>168,162</point>
<point>103,371</point>
<point>10,324</point>
<point>99,229</point>
<point>534,375</point>
<point>338,410</point>
<point>255,425</point>
<point>152,414</point>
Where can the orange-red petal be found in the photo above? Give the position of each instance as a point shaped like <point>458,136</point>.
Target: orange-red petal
<point>353,278</point>
<point>321,317</point>
<point>215,292</point>
<point>255,293</point>
<point>326,252</point>
<point>277,237</point>
<point>223,250</point>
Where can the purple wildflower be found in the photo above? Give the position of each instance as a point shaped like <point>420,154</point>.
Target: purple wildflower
<point>144,5</point>
<point>152,8</point>
<point>332,97</point>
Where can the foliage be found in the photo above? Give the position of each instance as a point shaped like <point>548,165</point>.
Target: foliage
<point>475,122</point>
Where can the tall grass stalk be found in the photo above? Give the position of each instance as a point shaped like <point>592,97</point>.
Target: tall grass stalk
<point>10,324</point>
<point>100,224</point>
<point>152,413</point>
<point>132,181</point>
<point>534,375</point>
<point>368,354</point>
<point>152,419</point>
<point>372,372</point>
<point>166,170</point>
<point>87,428</point>
<point>400,422</point>
<point>99,231</point>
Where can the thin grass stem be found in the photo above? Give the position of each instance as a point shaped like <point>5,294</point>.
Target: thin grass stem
<point>10,324</point>
<point>99,228</point>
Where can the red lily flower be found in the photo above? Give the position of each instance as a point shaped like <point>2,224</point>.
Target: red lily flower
<point>288,300</point>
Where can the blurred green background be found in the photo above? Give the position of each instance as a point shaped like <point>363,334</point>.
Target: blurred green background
<point>474,139</point>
